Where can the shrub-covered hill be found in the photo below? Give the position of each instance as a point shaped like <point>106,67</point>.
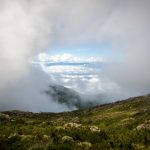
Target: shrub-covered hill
<point>123,125</point>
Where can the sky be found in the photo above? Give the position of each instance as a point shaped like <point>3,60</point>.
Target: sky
<point>92,46</point>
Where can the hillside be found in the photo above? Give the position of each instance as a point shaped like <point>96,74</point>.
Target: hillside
<point>69,97</point>
<point>120,125</point>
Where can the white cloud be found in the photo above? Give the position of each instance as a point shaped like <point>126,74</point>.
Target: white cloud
<point>66,57</point>
<point>28,27</point>
<point>68,65</point>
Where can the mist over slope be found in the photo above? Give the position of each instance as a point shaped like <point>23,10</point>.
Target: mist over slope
<point>71,98</point>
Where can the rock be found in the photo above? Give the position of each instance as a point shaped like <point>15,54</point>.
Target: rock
<point>67,139</point>
<point>4,117</point>
<point>43,123</point>
<point>134,113</point>
<point>139,127</point>
<point>46,137</point>
<point>143,126</point>
<point>13,135</point>
<point>12,120</point>
<point>25,137</point>
<point>29,122</point>
<point>60,128</point>
<point>94,129</point>
<point>72,125</point>
<point>76,120</point>
<point>86,145</point>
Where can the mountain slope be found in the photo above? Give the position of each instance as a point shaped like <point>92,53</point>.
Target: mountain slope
<point>69,97</point>
<point>120,125</point>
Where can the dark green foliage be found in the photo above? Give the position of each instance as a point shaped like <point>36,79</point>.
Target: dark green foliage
<point>64,146</point>
<point>12,143</point>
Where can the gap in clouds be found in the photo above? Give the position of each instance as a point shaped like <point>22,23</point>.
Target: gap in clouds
<point>84,74</point>
<point>68,67</point>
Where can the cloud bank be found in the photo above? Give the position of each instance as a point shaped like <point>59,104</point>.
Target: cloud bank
<point>28,28</point>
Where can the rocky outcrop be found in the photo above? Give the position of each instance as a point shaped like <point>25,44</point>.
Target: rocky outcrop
<point>94,129</point>
<point>67,139</point>
<point>145,125</point>
<point>72,125</point>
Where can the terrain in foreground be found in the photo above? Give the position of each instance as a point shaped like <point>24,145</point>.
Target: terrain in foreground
<point>120,125</point>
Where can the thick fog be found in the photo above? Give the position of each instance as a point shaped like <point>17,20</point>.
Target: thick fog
<point>29,27</point>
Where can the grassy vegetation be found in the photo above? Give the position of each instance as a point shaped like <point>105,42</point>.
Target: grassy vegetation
<point>122,125</point>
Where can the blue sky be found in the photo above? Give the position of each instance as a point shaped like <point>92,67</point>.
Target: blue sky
<point>104,49</point>
<point>92,49</point>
